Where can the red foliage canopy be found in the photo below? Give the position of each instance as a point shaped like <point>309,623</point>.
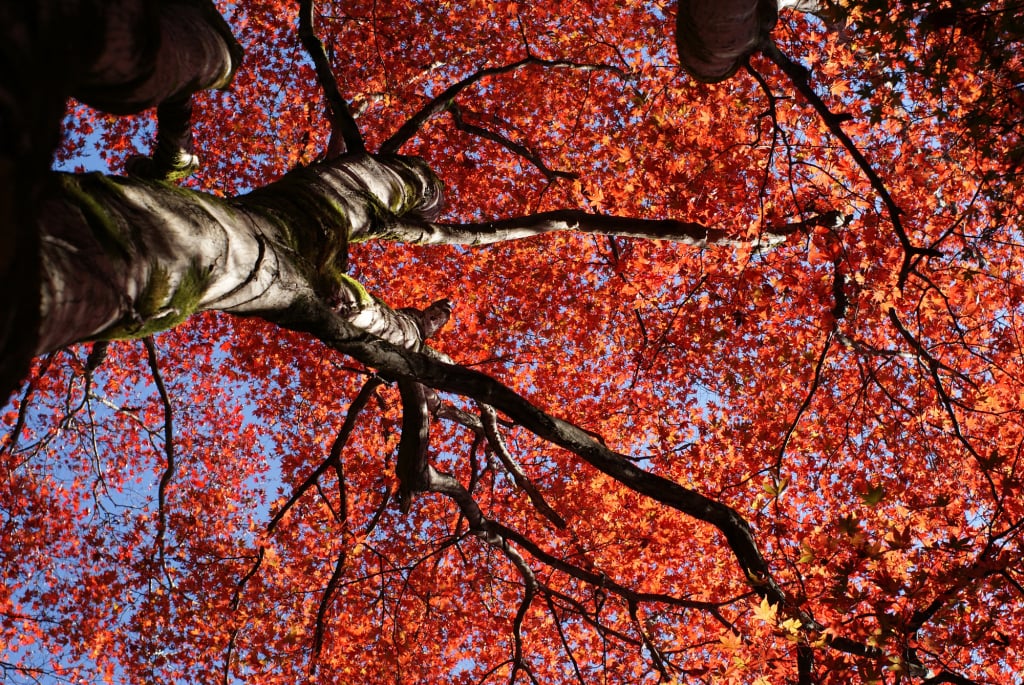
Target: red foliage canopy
<point>220,504</point>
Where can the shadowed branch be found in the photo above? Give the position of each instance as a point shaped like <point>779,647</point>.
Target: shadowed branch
<point>345,134</point>
<point>446,99</point>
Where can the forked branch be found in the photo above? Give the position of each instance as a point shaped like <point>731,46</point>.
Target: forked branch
<point>737,532</point>
<point>511,146</point>
<point>801,79</point>
<point>334,458</point>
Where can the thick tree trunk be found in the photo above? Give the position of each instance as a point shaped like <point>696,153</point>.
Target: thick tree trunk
<point>119,55</point>
<point>715,36</point>
<point>124,257</point>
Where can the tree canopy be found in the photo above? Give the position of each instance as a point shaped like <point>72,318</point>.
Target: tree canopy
<point>554,342</point>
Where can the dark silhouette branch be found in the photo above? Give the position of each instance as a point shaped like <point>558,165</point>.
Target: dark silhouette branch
<point>170,466</point>
<point>815,384</point>
<point>515,148</point>
<point>11,442</point>
<point>320,626</point>
<point>411,464</point>
<point>345,134</point>
<point>447,377</point>
<point>800,78</point>
<point>489,420</point>
<point>446,99</point>
<point>236,602</point>
<point>334,458</point>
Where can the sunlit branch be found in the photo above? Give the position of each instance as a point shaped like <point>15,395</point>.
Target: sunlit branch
<point>514,148</point>
<point>344,128</point>
<point>800,78</point>
<point>673,230</point>
<point>446,99</point>
<point>169,468</point>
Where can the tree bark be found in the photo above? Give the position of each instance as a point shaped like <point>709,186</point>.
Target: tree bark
<point>126,257</point>
<point>714,37</point>
<point>119,55</point>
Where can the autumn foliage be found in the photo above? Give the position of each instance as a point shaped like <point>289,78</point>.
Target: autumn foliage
<point>853,395</point>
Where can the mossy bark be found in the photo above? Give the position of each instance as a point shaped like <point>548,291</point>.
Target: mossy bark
<point>127,257</point>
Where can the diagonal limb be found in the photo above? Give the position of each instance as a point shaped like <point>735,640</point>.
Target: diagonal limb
<point>800,78</point>
<point>515,148</point>
<point>345,134</point>
<point>334,458</point>
<point>446,99</point>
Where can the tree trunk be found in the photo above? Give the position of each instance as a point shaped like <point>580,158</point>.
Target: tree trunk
<point>714,37</point>
<point>119,55</point>
<point>125,257</point>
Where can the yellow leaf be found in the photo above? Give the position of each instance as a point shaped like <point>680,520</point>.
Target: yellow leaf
<point>731,641</point>
<point>791,625</point>
<point>766,612</point>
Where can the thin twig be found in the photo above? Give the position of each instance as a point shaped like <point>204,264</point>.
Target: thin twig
<point>815,384</point>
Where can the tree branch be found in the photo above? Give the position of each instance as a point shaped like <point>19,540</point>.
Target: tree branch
<point>334,458</point>
<point>514,148</point>
<point>800,78</point>
<point>518,228</point>
<point>447,377</point>
<point>446,99</point>
<point>345,134</point>
<point>489,420</point>
<point>169,468</point>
